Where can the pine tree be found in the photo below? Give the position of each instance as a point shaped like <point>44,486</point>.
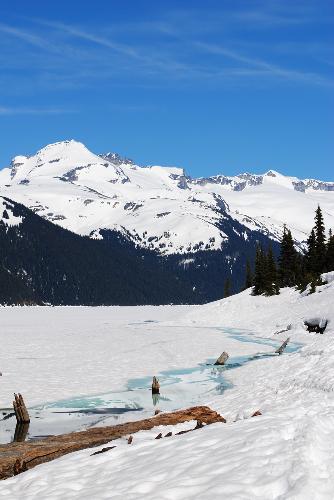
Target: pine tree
<point>249,276</point>
<point>311,254</point>
<point>288,261</point>
<point>330,252</point>
<point>320,242</point>
<point>270,274</point>
<point>227,287</point>
<point>260,270</point>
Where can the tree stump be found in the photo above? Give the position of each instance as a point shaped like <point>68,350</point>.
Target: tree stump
<point>283,346</point>
<point>20,409</point>
<point>222,359</point>
<point>155,386</point>
<point>21,431</point>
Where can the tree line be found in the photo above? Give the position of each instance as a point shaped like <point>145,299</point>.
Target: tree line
<point>293,268</point>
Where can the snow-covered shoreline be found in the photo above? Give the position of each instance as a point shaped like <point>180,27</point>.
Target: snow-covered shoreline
<point>286,453</point>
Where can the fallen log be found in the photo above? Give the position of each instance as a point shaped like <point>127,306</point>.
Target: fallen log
<point>18,457</point>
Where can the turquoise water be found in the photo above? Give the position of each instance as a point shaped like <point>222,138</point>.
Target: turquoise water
<point>179,388</point>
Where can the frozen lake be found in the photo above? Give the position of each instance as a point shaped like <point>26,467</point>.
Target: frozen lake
<point>179,388</point>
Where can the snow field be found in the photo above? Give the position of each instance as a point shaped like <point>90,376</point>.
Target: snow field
<point>287,453</point>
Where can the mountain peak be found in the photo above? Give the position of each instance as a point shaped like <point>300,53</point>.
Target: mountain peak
<point>63,149</point>
<point>272,173</point>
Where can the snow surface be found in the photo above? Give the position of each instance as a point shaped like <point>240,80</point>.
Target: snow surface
<point>6,214</point>
<point>286,453</point>
<point>158,207</point>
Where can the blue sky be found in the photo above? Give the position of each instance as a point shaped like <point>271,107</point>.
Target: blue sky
<point>213,86</point>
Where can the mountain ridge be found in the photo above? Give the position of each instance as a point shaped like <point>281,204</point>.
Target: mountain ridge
<point>159,208</point>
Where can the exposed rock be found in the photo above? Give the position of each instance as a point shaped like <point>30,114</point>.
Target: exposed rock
<point>116,159</point>
<point>222,359</point>
<point>159,436</point>
<point>130,439</point>
<point>257,413</point>
<point>317,325</point>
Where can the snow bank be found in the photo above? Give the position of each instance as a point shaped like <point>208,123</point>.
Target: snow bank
<point>286,453</point>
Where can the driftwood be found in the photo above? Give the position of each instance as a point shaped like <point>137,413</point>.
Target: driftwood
<point>20,409</point>
<point>18,457</point>
<point>281,349</point>
<point>103,450</point>
<point>222,359</point>
<point>155,386</point>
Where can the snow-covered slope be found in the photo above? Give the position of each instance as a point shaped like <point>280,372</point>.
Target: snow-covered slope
<point>287,452</point>
<point>158,207</point>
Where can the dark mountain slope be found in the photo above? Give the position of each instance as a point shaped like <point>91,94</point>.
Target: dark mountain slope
<point>49,264</point>
<point>41,262</point>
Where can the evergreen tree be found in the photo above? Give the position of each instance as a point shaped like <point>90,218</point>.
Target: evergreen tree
<point>260,272</point>
<point>249,276</point>
<point>227,287</point>
<point>271,286</point>
<point>330,252</point>
<point>288,261</point>
<point>311,254</point>
<point>320,242</point>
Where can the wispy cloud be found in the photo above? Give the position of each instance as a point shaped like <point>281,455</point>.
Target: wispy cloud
<point>181,47</point>
<point>12,110</point>
<point>263,67</point>
<point>22,35</point>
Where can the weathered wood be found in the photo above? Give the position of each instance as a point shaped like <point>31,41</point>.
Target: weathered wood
<point>17,457</point>
<point>20,410</point>
<point>281,349</point>
<point>21,431</point>
<point>103,450</point>
<point>155,386</point>
<point>222,359</point>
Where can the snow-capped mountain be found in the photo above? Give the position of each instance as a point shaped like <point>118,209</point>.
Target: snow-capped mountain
<point>157,207</point>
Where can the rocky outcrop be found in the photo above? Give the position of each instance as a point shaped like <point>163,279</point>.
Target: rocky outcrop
<point>317,325</point>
